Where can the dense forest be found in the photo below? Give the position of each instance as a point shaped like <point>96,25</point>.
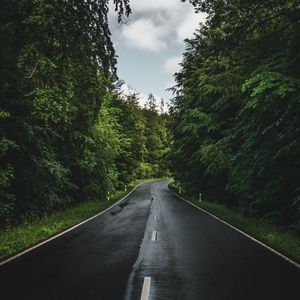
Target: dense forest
<point>237,106</point>
<point>67,134</point>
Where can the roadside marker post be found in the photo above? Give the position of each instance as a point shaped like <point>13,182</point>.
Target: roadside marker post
<point>125,187</point>
<point>200,197</point>
<point>108,196</point>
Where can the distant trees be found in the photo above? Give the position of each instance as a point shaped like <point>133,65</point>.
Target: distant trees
<point>66,135</point>
<point>237,105</point>
<point>157,140</point>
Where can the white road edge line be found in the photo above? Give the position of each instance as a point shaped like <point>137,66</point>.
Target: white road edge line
<point>62,233</point>
<point>242,232</point>
<point>154,236</point>
<point>146,288</point>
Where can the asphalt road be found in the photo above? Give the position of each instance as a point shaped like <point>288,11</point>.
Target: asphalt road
<point>186,253</point>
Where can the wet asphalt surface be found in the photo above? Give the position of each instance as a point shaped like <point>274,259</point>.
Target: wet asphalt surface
<point>194,257</point>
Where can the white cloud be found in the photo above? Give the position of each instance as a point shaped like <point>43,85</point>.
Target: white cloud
<point>172,64</point>
<point>189,24</point>
<point>153,5</point>
<point>127,90</point>
<point>170,84</point>
<point>155,25</point>
<point>143,99</point>
<point>144,34</point>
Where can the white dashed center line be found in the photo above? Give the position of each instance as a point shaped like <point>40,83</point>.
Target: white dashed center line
<point>154,236</point>
<point>146,288</point>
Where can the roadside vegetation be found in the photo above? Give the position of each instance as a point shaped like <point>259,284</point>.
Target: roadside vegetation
<point>36,229</point>
<point>236,109</point>
<point>288,243</point>
<point>68,135</point>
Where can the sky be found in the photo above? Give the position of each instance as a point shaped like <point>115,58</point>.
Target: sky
<point>150,44</point>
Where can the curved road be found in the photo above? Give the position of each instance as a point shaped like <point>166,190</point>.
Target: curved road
<point>183,252</point>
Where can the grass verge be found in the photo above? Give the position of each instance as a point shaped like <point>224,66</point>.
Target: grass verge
<point>285,242</point>
<point>18,238</point>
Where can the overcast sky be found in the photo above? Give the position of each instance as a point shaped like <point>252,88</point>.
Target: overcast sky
<point>150,44</point>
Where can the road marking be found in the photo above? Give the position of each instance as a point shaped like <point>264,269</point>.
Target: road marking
<point>242,232</point>
<point>154,236</point>
<point>62,233</point>
<point>146,288</point>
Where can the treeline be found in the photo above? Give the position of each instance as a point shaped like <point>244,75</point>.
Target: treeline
<point>66,133</point>
<point>237,108</point>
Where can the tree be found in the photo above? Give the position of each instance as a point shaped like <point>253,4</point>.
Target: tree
<point>235,131</point>
<point>132,133</point>
<point>157,143</point>
<point>57,62</point>
<point>67,134</point>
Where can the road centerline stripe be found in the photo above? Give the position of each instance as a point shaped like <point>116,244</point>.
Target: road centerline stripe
<point>154,236</point>
<point>146,288</point>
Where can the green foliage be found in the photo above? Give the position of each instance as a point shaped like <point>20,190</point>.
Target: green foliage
<point>132,136</point>
<point>157,139</point>
<point>268,130</point>
<point>236,110</point>
<point>7,198</point>
<point>66,135</point>
<point>146,170</point>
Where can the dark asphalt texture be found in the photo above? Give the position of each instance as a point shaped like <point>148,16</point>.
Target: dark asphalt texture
<point>195,257</point>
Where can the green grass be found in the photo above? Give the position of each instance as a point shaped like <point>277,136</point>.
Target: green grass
<point>283,241</point>
<point>18,238</point>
